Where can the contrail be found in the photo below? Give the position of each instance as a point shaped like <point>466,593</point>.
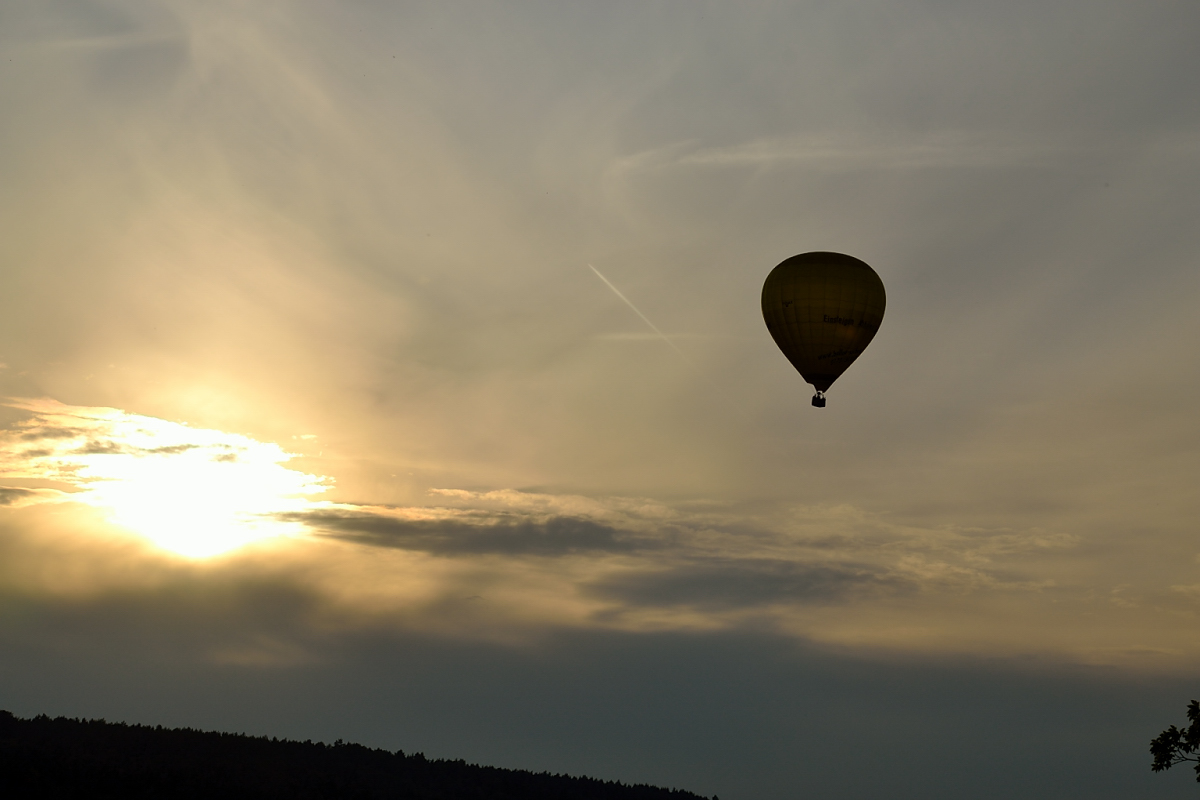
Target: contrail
<point>645,319</point>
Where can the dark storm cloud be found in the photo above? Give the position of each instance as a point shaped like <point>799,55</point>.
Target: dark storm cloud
<point>724,584</point>
<point>469,535</point>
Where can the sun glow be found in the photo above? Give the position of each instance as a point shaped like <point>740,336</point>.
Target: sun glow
<point>194,492</point>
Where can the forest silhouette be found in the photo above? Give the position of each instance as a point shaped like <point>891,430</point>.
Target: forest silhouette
<point>74,758</point>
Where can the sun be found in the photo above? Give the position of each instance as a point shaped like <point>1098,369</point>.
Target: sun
<point>194,492</point>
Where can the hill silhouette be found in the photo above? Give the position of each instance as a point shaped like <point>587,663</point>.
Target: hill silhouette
<point>74,758</point>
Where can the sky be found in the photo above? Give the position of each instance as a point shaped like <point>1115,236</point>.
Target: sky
<point>395,372</point>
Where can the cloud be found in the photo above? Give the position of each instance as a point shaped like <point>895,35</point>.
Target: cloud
<point>944,150</point>
<point>11,496</point>
<point>190,490</point>
<point>727,584</point>
<point>625,558</point>
<point>542,559</point>
<point>463,534</point>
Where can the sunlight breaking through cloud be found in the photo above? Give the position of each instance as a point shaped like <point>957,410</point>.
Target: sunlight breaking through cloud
<point>194,492</point>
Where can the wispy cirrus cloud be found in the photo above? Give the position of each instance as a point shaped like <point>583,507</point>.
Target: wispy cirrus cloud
<point>852,151</point>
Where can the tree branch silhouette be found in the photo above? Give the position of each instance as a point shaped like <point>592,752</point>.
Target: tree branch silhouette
<point>1175,746</point>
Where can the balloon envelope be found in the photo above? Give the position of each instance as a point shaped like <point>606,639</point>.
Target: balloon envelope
<point>823,309</point>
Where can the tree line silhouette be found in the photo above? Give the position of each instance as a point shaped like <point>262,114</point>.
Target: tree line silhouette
<point>74,758</point>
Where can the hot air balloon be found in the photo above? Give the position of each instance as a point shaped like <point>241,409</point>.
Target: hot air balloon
<point>822,309</point>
